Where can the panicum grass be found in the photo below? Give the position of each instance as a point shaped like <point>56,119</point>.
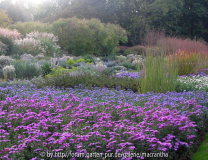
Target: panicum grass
<point>159,75</point>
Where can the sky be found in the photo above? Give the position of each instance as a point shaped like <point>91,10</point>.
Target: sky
<point>32,1</point>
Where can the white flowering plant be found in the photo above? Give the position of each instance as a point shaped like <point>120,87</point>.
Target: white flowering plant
<point>36,43</point>
<point>4,60</point>
<point>9,72</point>
<point>192,83</point>
<point>43,35</point>
<point>28,46</point>
<point>48,42</point>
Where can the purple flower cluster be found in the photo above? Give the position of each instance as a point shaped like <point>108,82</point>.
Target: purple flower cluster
<point>49,120</point>
<point>199,73</point>
<point>128,74</point>
<point>136,75</point>
<point>104,95</point>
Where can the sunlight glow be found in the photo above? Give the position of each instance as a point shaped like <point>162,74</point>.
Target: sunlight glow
<point>32,1</point>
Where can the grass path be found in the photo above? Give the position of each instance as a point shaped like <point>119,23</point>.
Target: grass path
<point>202,151</point>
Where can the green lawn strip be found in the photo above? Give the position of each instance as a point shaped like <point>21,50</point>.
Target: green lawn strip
<point>202,151</point>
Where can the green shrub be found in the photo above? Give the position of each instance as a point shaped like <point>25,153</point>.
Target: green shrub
<point>90,58</point>
<point>81,37</point>
<point>110,64</point>
<point>16,82</point>
<point>60,71</point>
<point>26,70</point>
<point>117,68</point>
<point>50,48</point>
<point>9,42</point>
<point>77,64</point>
<point>112,57</point>
<point>27,27</point>
<point>1,73</point>
<point>64,65</point>
<point>104,59</point>
<point>129,65</point>
<point>109,71</point>
<point>46,68</point>
<point>80,60</point>
<point>87,80</point>
<point>3,48</point>
<point>70,62</point>
<point>160,76</point>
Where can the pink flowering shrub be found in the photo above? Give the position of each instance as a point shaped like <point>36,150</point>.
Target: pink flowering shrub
<point>7,38</point>
<point>13,34</point>
<point>30,126</point>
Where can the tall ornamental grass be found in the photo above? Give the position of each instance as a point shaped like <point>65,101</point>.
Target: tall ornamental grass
<point>203,61</point>
<point>159,75</point>
<point>174,44</point>
<point>187,61</point>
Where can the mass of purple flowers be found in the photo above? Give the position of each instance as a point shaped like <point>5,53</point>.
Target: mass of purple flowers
<point>200,73</point>
<point>128,74</point>
<point>79,120</point>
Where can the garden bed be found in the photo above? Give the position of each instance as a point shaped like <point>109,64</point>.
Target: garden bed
<point>100,120</point>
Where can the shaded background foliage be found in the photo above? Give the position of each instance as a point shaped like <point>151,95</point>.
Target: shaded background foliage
<point>184,18</point>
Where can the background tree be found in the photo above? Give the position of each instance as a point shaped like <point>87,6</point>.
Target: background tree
<point>194,19</point>
<point>5,20</point>
<point>184,18</point>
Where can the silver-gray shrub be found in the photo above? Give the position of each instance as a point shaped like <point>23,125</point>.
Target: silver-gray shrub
<point>26,69</point>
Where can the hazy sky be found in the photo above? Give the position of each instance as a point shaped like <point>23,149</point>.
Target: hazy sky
<point>32,1</point>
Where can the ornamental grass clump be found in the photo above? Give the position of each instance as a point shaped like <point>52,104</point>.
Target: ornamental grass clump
<point>203,61</point>
<point>186,61</point>
<point>9,72</point>
<point>159,76</point>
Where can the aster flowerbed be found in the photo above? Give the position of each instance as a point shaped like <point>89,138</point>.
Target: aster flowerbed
<point>99,120</point>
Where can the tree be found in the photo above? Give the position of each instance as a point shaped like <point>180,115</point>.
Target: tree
<point>5,20</point>
<point>194,19</point>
